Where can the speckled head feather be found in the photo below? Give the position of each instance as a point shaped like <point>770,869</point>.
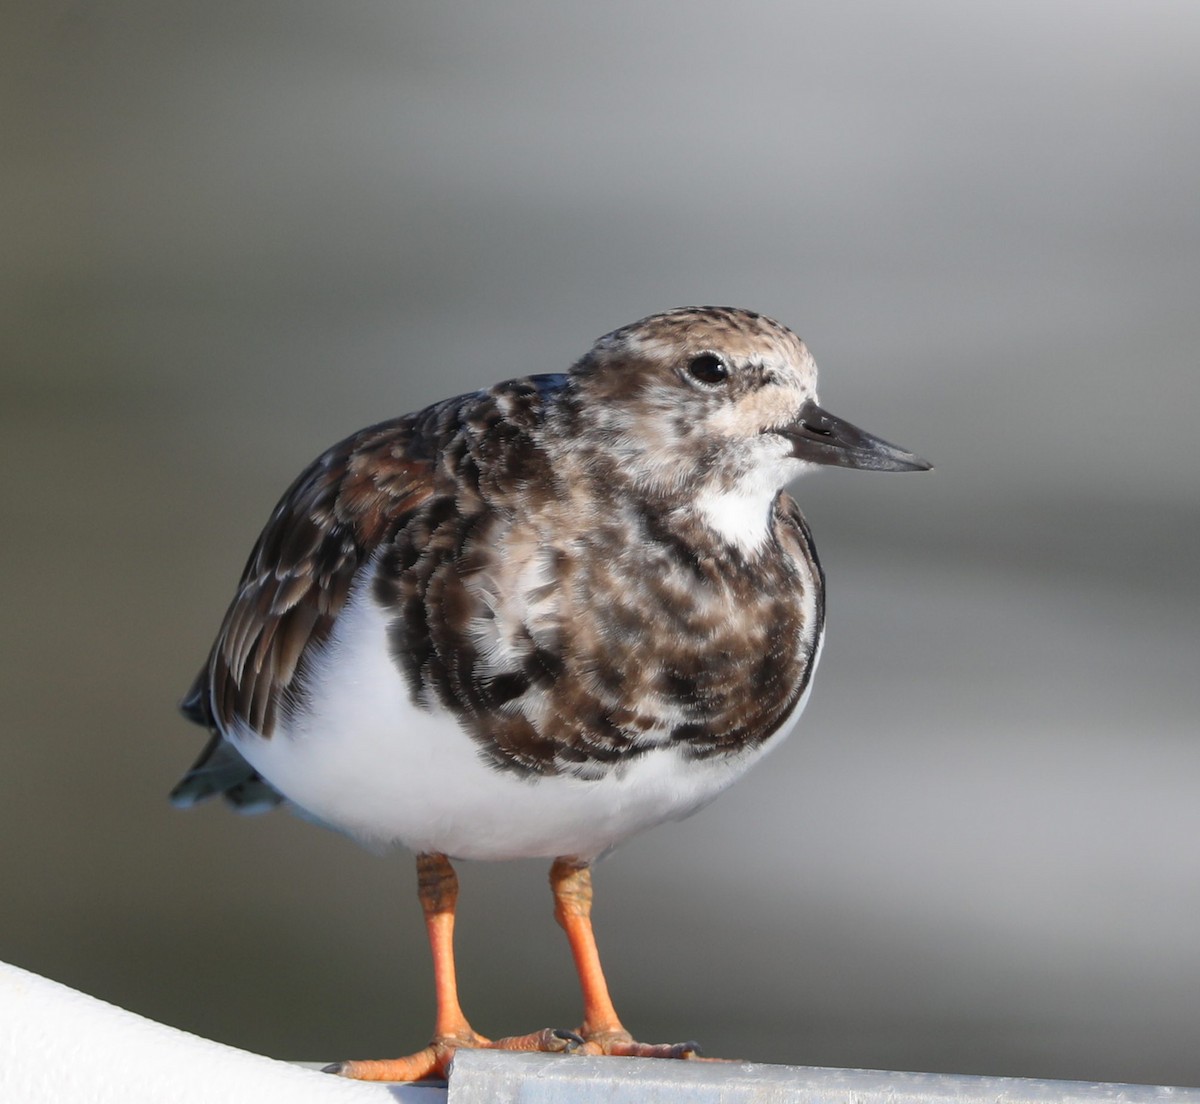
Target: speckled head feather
<point>743,335</point>
<point>658,424</point>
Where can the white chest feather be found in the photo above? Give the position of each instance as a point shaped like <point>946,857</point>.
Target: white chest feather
<point>741,511</point>
<point>743,519</point>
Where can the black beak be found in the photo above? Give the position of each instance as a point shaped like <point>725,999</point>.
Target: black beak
<point>820,438</point>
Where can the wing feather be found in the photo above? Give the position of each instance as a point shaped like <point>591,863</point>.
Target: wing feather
<point>300,573</point>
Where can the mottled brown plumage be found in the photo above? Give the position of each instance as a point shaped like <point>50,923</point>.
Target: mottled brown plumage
<point>431,494</point>
<point>300,572</point>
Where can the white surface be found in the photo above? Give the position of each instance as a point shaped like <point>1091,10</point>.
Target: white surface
<point>58,1045</point>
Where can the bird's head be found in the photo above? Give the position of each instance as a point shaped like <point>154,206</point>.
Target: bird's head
<point>718,405</point>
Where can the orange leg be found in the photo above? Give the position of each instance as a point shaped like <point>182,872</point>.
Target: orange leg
<point>437,887</point>
<point>603,1032</point>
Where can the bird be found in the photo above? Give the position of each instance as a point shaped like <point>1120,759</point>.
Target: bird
<point>532,621</point>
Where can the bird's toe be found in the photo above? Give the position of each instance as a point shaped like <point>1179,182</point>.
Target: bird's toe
<point>622,1044</point>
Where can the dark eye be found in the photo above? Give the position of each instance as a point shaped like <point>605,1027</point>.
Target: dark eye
<point>708,368</point>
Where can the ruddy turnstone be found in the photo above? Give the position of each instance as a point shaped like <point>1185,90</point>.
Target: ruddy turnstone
<point>534,620</point>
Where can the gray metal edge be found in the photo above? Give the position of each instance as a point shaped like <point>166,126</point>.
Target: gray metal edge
<point>491,1077</point>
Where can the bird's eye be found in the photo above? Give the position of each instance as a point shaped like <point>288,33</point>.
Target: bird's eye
<point>708,368</point>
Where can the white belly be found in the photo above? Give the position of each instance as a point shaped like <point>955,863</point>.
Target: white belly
<point>363,758</point>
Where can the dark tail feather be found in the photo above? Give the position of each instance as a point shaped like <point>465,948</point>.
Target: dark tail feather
<point>221,770</point>
<point>195,702</point>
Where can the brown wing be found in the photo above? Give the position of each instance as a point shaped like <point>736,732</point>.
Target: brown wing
<point>301,570</point>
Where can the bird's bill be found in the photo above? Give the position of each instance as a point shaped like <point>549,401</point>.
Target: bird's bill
<point>822,438</point>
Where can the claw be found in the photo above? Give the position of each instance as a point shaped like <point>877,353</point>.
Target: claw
<point>570,1040</point>
<point>622,1044</point>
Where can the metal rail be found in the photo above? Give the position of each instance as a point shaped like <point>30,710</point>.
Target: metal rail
<point>489,1077</point>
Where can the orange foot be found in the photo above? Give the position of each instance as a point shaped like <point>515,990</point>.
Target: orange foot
<point>434,1060</point>
<point>623,1044</point>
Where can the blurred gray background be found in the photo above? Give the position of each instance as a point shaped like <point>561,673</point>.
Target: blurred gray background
<point>233,233</point>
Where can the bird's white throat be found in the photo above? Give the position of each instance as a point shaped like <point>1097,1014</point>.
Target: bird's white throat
<point>741,514</point>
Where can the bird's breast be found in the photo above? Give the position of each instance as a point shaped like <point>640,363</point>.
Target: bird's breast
<point>568,650</point>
